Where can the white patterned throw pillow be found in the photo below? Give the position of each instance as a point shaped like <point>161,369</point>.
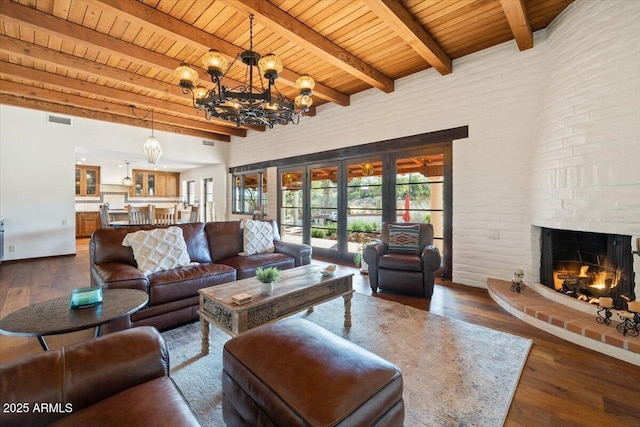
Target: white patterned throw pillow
<point>159,249</point>
<point>257,237</point>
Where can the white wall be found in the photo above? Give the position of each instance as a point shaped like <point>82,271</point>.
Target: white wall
<point>37,193</point>
<point>37,189</point>
<point>219,175</point>
<point>503,95</point>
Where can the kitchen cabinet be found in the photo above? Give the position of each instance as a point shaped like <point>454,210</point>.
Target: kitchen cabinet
<point>87,181</point>
<point>154,184</point>
<point>87,223</point>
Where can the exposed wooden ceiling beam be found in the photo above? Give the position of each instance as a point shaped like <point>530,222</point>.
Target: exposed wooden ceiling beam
<point>91,89</point>
<point>19,14</point>
<point>518,20</point>
<point>176,29</point>
<point>412,32</point>
<point>37,104</point>
<point>33,51</point>
<point>314,42</point>
<point>102,110</point>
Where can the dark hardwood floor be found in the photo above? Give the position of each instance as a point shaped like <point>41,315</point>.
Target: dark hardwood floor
<point>562,384</point>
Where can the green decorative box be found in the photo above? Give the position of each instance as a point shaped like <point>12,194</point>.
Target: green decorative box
<point>86,297</point>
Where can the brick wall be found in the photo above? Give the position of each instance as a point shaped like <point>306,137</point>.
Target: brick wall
<point>507,174</point>
<point>586,162</point>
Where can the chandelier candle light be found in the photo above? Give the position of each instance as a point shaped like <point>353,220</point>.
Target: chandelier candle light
<point>248,103</point>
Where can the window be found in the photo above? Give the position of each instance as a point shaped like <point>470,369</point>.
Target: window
<point>418,195</point>
<point>249,192</point>
<point>191,192</point>
<point>209,212</point>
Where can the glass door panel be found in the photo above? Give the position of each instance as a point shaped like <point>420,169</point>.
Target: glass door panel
<point>138,181</point>
<point>364,203</point>
<point>291,206</point>
<point>78,186</point>
<point>251,194</point>
<point>323,208</point>
<point>419,192</point>
<point>263,196</point>
<point>151,184</point>
<point>92,181</point>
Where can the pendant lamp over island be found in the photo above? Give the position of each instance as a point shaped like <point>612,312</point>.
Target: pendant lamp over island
<point>152,149</point>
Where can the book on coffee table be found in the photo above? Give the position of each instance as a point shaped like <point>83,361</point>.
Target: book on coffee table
<point>241,298</point>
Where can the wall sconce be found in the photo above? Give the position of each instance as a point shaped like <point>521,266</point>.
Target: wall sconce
<point>367,169</point>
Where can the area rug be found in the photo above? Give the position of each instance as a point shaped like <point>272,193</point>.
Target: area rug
<point>455,373</point>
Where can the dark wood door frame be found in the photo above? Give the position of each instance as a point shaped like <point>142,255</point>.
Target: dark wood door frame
<point>442,139</point>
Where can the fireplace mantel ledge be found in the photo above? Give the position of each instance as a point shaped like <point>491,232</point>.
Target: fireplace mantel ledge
<point>577,325</point>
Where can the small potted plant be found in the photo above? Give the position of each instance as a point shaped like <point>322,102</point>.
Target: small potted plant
<point>267,276</point>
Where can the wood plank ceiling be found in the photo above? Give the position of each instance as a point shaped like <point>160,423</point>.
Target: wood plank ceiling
<point>97,58</point>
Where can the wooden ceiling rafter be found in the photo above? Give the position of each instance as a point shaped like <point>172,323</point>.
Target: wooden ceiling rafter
<point>398,18</point>
<point>314,42</point>
<point>190,35</point>
<point>69,83</point>
<point>110,110</point>
<point>518,19</point>
<point>19,14</point>
<point>89,112</point>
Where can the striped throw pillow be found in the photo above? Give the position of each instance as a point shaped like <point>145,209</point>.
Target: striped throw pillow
<point>404,239</point>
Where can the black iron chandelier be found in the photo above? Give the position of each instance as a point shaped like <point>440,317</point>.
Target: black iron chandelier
<point>250,103</point>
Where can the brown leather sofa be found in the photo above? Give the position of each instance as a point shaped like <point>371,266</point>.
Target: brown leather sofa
<point>403,272</point>
<point>121,379</point>
<point>173,294</point>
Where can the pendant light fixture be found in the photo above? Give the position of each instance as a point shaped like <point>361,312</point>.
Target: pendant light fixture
<point>151,147</point>
<point>127,181</point>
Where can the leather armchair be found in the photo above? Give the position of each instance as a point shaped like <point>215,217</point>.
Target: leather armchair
<point>121,379</point>
<point>403,272</point>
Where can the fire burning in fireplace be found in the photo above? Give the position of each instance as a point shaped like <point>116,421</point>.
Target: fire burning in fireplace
<point>588,265</point>
<point>587,283</point>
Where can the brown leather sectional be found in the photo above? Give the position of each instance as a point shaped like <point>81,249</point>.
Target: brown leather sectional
<point>120,379</point>
<point>173,294</point>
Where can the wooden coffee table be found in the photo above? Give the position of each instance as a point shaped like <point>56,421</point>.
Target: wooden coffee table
<point>55,316</point>
<point>299,289</point>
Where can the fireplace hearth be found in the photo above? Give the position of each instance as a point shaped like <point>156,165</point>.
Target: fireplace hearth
<point>587,265</point>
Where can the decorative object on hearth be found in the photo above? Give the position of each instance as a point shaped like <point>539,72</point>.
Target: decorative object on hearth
<point>250,103</point>
<point>630,319</point>
<point>152,149</point>
<point>605,304</point>
<point>267,276</point>
<point>127,181</point>
<point>516,282</point>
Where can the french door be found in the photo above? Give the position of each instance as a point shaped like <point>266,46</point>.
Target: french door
<point>338,207</point>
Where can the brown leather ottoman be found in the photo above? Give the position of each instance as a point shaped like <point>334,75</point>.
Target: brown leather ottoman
<point>295,373</point>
